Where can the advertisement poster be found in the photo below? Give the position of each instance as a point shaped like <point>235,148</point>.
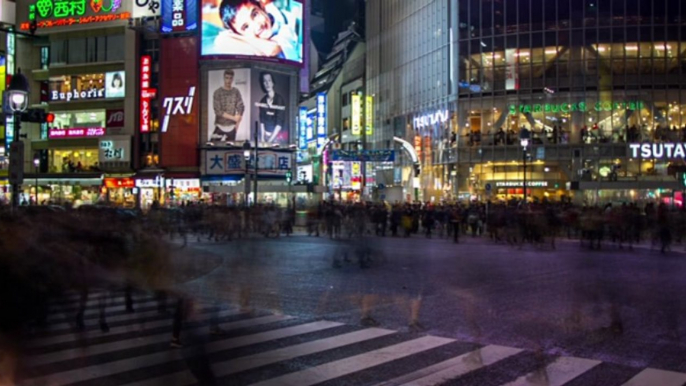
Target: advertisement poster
<point>253,29</point>
<point>241,99</point>
<point>114,84</point>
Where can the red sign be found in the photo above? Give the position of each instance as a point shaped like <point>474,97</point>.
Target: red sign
<point>119,182</point>
<point>115,119</point>
<point>146,111</point>
<point>69,21</point>
<point>77,132</point>
<point>178,75</point>
<point>150,93</point>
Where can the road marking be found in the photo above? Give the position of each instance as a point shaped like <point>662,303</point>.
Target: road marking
<point>454,367</point>
<point>233,366</point>
<point>561,371</point>
<point>104,348</point>
<point>655,377</point>
<point>129,364</point>
<point>90,311</point>
<point>140,327</point>
<point>356,363</point>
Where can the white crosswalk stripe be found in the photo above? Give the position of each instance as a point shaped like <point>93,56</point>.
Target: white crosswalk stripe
<point>281,350</point>
<point>561,371</point>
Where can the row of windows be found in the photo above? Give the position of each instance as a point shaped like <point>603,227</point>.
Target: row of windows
<point>489,17</point>
<point>87,50</point>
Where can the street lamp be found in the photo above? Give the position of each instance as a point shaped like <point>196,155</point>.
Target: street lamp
<point>36,163</point>
<point>524,141</point>
<point>246,180</point>
<point>18,98</point>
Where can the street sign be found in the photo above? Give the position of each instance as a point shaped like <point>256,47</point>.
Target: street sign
<point>16,172</point>
<point>489,187</point>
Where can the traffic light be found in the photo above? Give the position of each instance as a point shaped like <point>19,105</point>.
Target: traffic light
<point>37,116</point>
<point>289,176</point>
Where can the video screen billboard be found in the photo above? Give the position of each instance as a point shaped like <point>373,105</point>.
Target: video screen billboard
<point>240,97</point>
<point>253,29</point>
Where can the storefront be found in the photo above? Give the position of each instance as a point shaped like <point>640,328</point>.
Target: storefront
<point>120,191</point>
<point>72,190</point>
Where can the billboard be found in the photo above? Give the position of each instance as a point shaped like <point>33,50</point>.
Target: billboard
<point>67,88</point>
<point>269,162</point>
<point>253,29</point>
<point>241,97</point>
<point>178,108</point>
<point>179,16</point>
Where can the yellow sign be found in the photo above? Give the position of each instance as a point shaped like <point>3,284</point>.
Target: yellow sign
<point>369,114</point>
<point>356,114</point>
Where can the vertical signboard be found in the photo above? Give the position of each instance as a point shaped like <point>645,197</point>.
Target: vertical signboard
<point>511,69</point>
<point>355,114</point>
<point>179,16</point>
<point>302,128</point>
<point>321,119</point>
<point>179,114</point>
<point>146,110</point>
<point>369,114</point>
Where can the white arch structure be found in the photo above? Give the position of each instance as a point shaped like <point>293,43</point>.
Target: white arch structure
<point>406,145</point>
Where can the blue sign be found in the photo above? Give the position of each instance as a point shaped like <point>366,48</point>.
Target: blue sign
<point>179,16</point>
<point>321,119</point>
<point>302,128</point>
<point>310,127</point>
<point>364,155</point>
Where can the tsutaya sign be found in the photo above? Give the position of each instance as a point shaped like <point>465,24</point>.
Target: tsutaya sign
<point>182,105</point>
<point>658,150</point>
<point>439,116</point>
<point>570,107</point>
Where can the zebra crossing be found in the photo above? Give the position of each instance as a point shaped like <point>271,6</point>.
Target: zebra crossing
<point>267,349</point>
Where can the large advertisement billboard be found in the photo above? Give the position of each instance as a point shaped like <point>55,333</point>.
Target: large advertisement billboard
<point>253,29</point>
<point>238,98</point>
<point>179,133</point>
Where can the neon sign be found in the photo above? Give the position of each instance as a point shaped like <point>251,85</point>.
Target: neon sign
<point>182,105</point>
<point>63,13</point>
<point>146,109</point>
<point>77,132</point>
<point>439,116</point>
<point>658,150</point>
<point>321,119</point>
<point>70,8</point>
<point>571,107</point>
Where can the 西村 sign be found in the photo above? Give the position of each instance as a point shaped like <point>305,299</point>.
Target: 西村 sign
<point>571,107</point>
<point>64,13</point>
<point>434,118</point>
<point>181,105</point>
<point>658,150</point>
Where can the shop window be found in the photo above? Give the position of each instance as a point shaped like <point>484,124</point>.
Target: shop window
<point>77,50</point>
<point>58,50</point>
<point>74,119</point>
<point>74,160</point>
<point>115,44</point>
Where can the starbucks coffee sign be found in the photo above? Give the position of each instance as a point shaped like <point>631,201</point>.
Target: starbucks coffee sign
<point>571,107</point>
<point>658,150</point>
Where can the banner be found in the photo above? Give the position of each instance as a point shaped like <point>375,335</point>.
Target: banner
<point>258,30</point>
<point>179,140</point>
<point>511,69</point>
<point>270,162</point>
<point>321,120</point>
<point>355,107</point>
<point>364,155</point>
<point>369,115</point>
<point>179,16</point>
<point>240,98</point>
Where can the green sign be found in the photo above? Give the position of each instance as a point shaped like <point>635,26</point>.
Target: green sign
<point>70,8</point>
<point>571,107</point>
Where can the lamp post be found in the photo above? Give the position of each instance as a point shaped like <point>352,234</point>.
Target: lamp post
<point>18,97</point>
<point>257,138</point>
<point>36,163</point>
<point>246,179</point>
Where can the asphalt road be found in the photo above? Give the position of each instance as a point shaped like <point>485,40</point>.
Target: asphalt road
<point>619,306</point>
<point>424,312</point>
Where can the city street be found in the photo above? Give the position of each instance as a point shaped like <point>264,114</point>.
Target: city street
<point>424,311</point>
